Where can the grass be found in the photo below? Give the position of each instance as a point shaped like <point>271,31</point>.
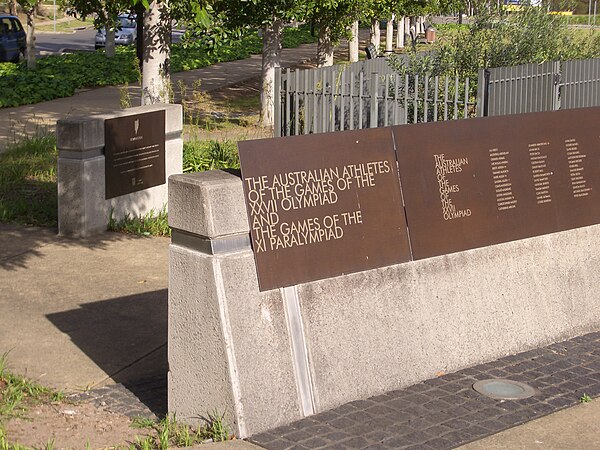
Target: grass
<point>17,393</point>
<point>199,156</point>
<point>151,224</point>
<point>28,193</point>
<point>28,190</point>
<point>67,26</point>
<point>170,433</point>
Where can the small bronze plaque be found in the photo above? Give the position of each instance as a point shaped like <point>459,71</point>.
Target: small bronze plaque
<point>134,153</point>
<point>323,205</point>
<point>478,182</point>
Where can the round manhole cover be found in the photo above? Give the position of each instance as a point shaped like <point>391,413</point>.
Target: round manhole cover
<point>500,389</point>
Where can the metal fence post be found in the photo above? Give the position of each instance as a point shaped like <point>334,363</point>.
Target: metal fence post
<point>277,103</point>
<point>557,86</point>
<point>483,92</point>
<point>373,119</point>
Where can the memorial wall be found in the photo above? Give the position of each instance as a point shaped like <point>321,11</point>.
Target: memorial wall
<point>329,204</point>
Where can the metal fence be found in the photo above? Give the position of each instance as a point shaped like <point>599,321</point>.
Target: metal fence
<point>364,95</point>
<point>548,86</point>
<point>371,94</point>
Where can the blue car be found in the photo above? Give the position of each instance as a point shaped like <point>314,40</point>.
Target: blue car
<point>12,38</point>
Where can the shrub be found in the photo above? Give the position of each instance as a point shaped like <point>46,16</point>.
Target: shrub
<point>199,156</point>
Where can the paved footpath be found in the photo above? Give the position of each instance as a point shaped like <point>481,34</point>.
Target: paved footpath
<point>30,119</point>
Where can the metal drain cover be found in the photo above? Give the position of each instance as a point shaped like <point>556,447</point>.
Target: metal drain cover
<point>500,389</point>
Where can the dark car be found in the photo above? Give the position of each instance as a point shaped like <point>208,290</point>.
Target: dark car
<point>12,38</point>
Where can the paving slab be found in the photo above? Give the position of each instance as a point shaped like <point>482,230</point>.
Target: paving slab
<point>573,428</point>
<point>80,313</point>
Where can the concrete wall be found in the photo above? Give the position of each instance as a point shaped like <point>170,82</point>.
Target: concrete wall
<point>82,207</point>
<point>272,357</point>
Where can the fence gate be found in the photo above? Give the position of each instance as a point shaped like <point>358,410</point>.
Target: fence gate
<point>519,89</point>
<point>580,84</point>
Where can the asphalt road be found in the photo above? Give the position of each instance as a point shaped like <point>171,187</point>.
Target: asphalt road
<point>48,42</point>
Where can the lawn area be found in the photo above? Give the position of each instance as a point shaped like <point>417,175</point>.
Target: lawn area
<point>66,26</point>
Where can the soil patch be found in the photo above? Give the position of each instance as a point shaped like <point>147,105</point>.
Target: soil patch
<point>72,426</point>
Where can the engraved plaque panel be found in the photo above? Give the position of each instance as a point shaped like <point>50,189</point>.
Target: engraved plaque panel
<point>134,153</point>
<point>478,182</point>
<point>323,205</point>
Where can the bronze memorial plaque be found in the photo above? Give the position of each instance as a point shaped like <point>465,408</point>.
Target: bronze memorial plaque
<point>323,205</point>
<point>478,182</point>
<point>134,153</point>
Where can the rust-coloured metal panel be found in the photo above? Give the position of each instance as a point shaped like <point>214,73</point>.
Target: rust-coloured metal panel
<point>323,205</point>
<point>134,153</point>
<point>477,182</point>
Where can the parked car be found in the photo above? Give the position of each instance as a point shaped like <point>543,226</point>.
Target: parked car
<point>12,38</point>
<point>125,34</point>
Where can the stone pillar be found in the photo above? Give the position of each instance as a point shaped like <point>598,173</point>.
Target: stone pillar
<point>229,346</point>
<point>83,209</point>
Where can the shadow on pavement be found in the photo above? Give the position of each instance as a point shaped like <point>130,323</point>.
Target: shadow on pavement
<point>19,244</point>
<point>126,337</point>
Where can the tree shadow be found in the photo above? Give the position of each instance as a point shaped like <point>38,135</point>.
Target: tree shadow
<point>126,337</point>
<point>19,243</point>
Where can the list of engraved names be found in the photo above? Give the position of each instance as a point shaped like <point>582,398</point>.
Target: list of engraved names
<point>539,169</point>
<point>274,198</point>
<point>505,198</point>
<point>576,158</point>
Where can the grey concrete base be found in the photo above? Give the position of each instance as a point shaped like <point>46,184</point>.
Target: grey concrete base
<point>389,328</point>
<point>82,207</point>
<point>228,344</point>
<point>235,348</point>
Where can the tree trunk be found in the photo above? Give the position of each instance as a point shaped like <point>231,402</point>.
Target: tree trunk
<point>12,7</point>
<point>400,32</point>
<point>375,34</point>
<point>156,83</point>
<point>139,42</point>
<point>353,43</point>
<point>38,8</point>
<point>389,35</point>
<point>30,40</point>
<point>271,59</point>
<point>109,48</point>
<point>324,48</point>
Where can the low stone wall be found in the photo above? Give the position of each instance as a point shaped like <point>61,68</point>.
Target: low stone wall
<point>82,207</point>
<point>268,358</point>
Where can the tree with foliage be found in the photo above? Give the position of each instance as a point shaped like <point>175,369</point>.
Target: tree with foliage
<point>105,13</point>
<point>28,7</point>
<point>269,16</point>
<point>333,19</point>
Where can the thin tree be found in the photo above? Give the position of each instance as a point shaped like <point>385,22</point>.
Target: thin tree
<point>269,16</point>
<point>28,7</point>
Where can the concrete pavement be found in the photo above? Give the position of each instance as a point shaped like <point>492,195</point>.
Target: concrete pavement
<point>80,313</point>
